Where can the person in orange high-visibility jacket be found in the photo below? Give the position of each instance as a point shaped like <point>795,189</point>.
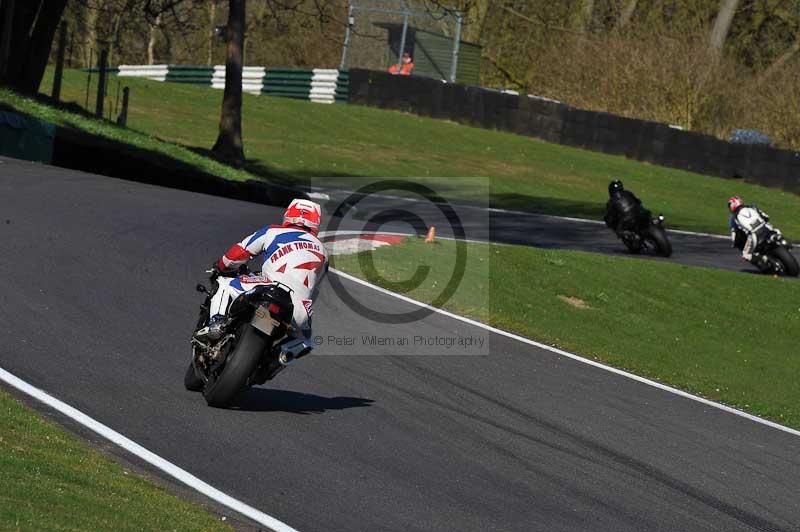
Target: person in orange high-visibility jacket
<point>405,67</point>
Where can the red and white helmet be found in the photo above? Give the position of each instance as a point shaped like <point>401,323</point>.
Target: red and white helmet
<point>734,203</point>
<point>303,213</point>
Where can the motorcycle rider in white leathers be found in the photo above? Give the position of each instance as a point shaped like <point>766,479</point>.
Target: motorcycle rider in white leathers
<point>292,255</point>
<point>749,225</point>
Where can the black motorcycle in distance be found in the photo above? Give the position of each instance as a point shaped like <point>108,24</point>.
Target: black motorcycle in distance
<point>646,235</point>
<point>259,321</point>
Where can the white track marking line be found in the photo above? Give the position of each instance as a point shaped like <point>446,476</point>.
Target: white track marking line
<point>573,356</point>
<point>148,456</point>
<point>326,234</point>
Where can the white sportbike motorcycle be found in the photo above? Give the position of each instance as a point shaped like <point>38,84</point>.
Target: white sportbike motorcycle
<point>250,349</point>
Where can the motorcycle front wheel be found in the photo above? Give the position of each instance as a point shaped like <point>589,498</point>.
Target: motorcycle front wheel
<point>220,390</point>
<point>659,238</point>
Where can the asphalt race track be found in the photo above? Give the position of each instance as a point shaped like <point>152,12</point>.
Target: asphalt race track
<point>98,305</point>
<point>545,231</point>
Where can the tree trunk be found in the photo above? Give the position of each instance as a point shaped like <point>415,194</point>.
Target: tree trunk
<point>32,41</point>
<point>7,16</point>
<point>115,38</point>
<point>476,17</point>
<point>90,44</point>
<point>212,18</point>
<point>627,13</point>
<point>588,15</point>
<point>24,14</point>
<point>229,146</point>
<point>722,24</point>
<point>151,41</point>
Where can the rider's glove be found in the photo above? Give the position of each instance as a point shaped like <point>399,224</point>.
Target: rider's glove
<point>217,271</point>
<point>214,271</point>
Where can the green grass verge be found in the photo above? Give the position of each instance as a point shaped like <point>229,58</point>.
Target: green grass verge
<point>300,139</point>
<point>725,335</point>
<point>49,480</point>
<point>136,139</point>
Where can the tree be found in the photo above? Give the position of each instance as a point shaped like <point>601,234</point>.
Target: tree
<point>588,14</point>
<point>781,61</point>
<point>476,14</point>
<point>212,17</point>
<point>627,13</point>
<point>722,24</point>
<point>7,16</point>
<point>151,41</point>
<point>33,28</point>
<point>229,146</point>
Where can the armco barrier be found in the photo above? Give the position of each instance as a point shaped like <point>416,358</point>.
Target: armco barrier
<point>288,83</point>
<point>323,85</point>
<point>556,122</point>
<point>154,72</point>
<point>318,85</point>
<point>252,79</point>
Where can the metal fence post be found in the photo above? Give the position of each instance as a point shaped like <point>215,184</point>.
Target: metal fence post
<point>88,80</point>
<point>101,84</point>
<point>350,22</point>
<point>62,45</point>
<point>122,119</point>
<point>402,42</point>
<point>116,101</point>
<point>456,44</point>
<point>71,48</point>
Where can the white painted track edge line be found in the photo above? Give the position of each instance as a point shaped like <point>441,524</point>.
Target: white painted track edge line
<point>146,455</point>
<point>345,233</point>
<point>573,356</point>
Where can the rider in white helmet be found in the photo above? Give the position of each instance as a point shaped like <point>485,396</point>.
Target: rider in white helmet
<point>292,255</point>
<point>749,226</point>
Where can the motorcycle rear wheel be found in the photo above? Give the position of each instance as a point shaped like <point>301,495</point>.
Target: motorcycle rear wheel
<point>633,243</point>
<point>242,361</point>
<point>790,266</point>
<point>659,237</point>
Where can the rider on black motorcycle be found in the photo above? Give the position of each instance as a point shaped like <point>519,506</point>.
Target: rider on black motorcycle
<point>624,210</point>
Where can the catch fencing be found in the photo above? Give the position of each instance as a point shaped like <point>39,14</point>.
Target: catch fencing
<point>317,85</point>
<point>559,123</point>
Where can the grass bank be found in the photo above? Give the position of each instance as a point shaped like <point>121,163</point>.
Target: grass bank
<point>301,140</point>
<point>49,480</point>
<point>730,337</point>
<point>105,130</point>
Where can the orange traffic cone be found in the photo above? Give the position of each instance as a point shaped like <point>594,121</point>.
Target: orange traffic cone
<point>431,235</point>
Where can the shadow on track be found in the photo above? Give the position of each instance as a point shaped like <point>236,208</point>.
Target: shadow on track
<point>552,206</point>
<point>268,400</point>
